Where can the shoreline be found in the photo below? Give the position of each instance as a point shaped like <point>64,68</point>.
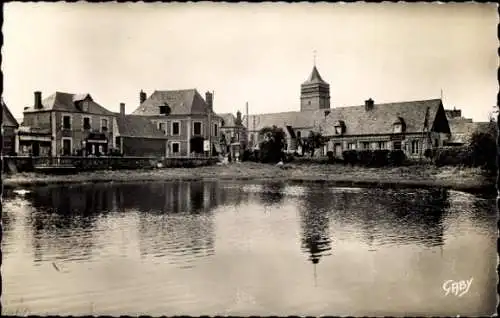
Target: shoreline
<point>425,177</point>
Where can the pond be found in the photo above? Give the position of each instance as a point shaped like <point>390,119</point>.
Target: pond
<point>216,248</point>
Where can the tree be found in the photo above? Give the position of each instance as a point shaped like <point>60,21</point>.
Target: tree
<point>484,148</point>
<point>273,143</point>
<point>314,141</point>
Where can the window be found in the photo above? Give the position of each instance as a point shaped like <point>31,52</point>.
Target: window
<point>175,128</point>
<point>397,145</point>
<point>104,125</point>
<point>161,126</point>
<point>117,142</point>
<point>398,128</point>
<point>66,146</point>
<point>164,110</point>
<point>86,123</point>
<point>66,122</point>
<point>351,146</point>
<point>338,130</point>
<point>216,132</point>
<point>197,128</point>
<point>414,147</point>
<point>382,145</point>
<point>175,147</point>
<point>366,145</point>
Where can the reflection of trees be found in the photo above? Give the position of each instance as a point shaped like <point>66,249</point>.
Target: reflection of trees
<point>394,216</point>
<point>315,220</point>
<point>272,193</point>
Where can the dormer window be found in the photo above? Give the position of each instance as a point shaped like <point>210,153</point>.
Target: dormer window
<point>399,126</point>
<point>339,127</point>
<point>164,109</point>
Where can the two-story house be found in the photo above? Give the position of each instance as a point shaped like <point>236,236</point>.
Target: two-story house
<point>233,131</point>
<point>75,123</point>
<point>187,120</point>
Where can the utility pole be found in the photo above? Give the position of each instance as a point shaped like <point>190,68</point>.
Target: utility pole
<point>210,127</point>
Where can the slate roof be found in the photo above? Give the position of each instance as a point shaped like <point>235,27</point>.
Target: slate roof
<point>181,102</point>
<point>314,78</point>
<point>304,120</point>
<point>137,126</point>
<point>380,119</point>
<point>7,118</point>
<point>358,121</point>
<point>462,129</point>
<point>229,119</point>
<point>61,101</point>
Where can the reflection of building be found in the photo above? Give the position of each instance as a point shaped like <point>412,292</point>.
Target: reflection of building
<point>75,123</point>
<point>411,126</point>
<point>9,130</point>
<point>184,117</point>
<point>316,240</point>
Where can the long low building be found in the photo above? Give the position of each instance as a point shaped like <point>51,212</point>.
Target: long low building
<point>412,126</point>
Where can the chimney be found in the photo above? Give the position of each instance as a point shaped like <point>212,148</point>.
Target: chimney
<point>122,109</point>
<point>209,99</point>
<point>142,97</point>
<point>369,104</point>
<point>38,100</point>
<point>238,118</point>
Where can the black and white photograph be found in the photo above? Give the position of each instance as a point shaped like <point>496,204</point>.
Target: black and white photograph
<point>249,159</point>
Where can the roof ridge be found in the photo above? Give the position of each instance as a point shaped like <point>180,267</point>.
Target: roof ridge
<point>394,103</point>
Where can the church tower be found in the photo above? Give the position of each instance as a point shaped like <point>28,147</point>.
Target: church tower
<point>314,93</point>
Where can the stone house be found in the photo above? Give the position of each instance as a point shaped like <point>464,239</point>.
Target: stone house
<point>137,136</point>
<point>187,120</point>
<point>412,126</point>
<point>75,123</point>
<point>9,132</point>
<point>463,128</point>
<point>233,130</point>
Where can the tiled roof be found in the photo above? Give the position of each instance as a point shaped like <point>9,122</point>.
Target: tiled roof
<point>314,78</point>
<point>357,120</point>
<point>380,119</point>
<point>304,119</point>
<point>462,129</point>
<point>229,119</point>
<point>181,102</point>
<point>137,126</point>
<point>66,102</point>
<point>7,117</point>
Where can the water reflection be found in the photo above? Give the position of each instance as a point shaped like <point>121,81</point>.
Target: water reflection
<point>315,221</point>
<point>390,216</point>
<point>272,193</point>
<point>182,245</point>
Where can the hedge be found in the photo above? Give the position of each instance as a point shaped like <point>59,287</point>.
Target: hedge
<point>374,158</point>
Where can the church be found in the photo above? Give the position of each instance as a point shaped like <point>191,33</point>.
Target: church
<point>411,126</point>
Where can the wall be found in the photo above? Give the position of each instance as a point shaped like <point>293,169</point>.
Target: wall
<point>77,133</point>
<point>9,139</point>
<point>38,120</point>
<point>187,128</point>
<point>143,147</point>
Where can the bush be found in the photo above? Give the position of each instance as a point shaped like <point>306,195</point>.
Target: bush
<point>247,154</point>
<point>380,158</point>
<point>350,157</point>
<point>483,150</point>
<point>396,157</point>
<point>365,157</point>
<point>331,157</point>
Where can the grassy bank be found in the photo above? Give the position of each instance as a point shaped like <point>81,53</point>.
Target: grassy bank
<point>464,179</point>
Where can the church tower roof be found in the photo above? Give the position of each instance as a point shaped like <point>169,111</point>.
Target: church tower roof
<point>315,78</point>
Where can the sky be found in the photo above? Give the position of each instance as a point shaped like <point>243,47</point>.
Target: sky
<point>258,53</point>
